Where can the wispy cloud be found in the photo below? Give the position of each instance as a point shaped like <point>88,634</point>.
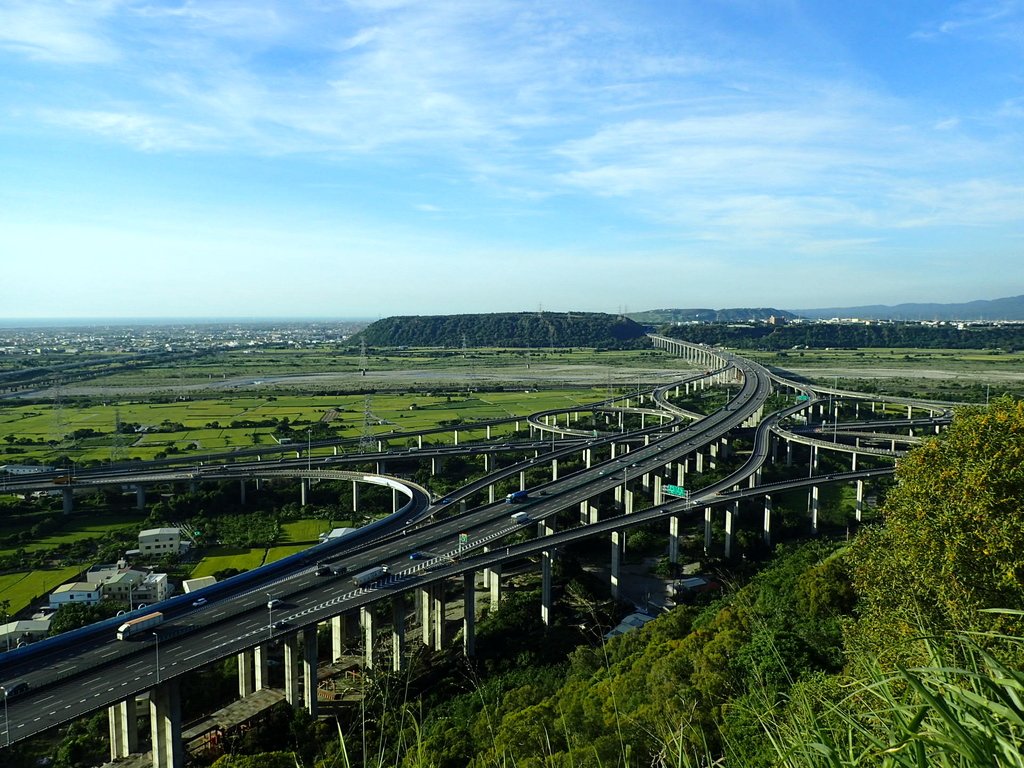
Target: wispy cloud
<point>144,132</point>
<point>55,31</point>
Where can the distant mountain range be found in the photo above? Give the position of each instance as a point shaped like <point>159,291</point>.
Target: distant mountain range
<point>1011,308</point>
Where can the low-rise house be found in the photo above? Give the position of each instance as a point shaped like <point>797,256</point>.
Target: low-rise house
<point>76,592</point>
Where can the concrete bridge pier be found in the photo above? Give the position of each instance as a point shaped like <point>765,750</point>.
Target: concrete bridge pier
<point>469,613</point>
<point>812,501</point>
<point>309,665</point>
<point>707,530</point>
<point>493,584</point>
<point>368,624</point>
<point>140,496</point>
<point>438,599</point>
<point>659,494</point>
<point>305,490</point>
<point>546,556</point>
<point>69,500</point>
<point>241,492</point>
<point>456,433</point>
<point>261,673</point>
<point>853,462</point>
<point>338,637</point>
<point>436,465</point>
<point>397,633</point>
<point>699,458</point>
<point>490,494</point>
<point>814,459</point>
<point>681,472</point>
<point>617,540</point>
<point>423,599</point>
<point>487,462</point>
<point>522,480</point>
<point>165,725</point>
<point>291,668</point>
<point>768,519</point>
<point>554,470</point>
<point>124,728</point>
<point>246,674</point>
<point>732,518</point>
<point>588,457</point>
<point>673,539</point>
<point>859,508</point>
<point>355,496</point>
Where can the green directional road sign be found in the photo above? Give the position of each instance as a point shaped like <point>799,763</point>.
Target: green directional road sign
<point>675,490</point>
<point>463,538</point>
<point>802,399</point>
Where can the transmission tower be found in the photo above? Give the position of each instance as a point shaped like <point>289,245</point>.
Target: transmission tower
<point>367,442</point>
<point>363,364</point>
<point>117,447</point>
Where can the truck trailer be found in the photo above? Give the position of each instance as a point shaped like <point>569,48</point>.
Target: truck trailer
<point>137,626</point>
<point>517,496</point>
<point>361,579</point>
<point>520,518</point>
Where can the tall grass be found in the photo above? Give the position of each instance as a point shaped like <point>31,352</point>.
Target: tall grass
<point>963,709</point>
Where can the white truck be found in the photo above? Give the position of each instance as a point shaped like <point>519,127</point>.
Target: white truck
<point>366,577</point>
<point>520,518</point>
<point>139,625</point>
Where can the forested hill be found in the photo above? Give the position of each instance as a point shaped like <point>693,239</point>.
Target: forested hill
<point>503,329</point>
<point>821,335</point>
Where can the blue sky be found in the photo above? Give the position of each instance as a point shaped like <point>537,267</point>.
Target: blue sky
<point>377,157</point>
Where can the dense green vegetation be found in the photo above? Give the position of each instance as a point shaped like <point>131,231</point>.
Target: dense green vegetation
<point>505,329</point>
<point>819,335</point>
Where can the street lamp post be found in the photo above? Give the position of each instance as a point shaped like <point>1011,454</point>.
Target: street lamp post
<point>7,722</point>
<point>157,636</point>
<point>270,615</point>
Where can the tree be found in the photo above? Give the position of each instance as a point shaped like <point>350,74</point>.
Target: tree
<point>953,540</point>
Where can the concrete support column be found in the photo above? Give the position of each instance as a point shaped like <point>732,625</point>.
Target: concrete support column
<point>246,684</point>
<point>814,459</point>
<point>140,497</point>
<point>456,437</point>
<point>814,509</point>
<point>681,473</point>
<point>305,490</point>
<point>789,453</point>
<point>588,457</point>
<point>439,615</point>
<point>659,494</point>
<point>338,637</point>
<point>545,587</point>
<point>707,529</point>
<point>397,633</point>
<point>291,668</point>
<point>355,495</point>
<point>522,480</point>
<point>673,539</point>
<point>494,587</point>
<point>309,665</point>
<point>261,677</point>
<point>424,599</point>
<point>700,461</point>
<point>554,470</point>
<point>394,500</point>
<point>859,509</point>
<point>768,520</point>
<point>419,441</point>
<point>69,501</point>
<point>490,493</point>
<point>469,613</point>
<point>368,622</point>
<point>732,518</point>
<point>124,728</point>
<point>241,492</point>
<point>617,537</point>
<point>165,725</point>
<point>487,462</point>
<point>628,506</point>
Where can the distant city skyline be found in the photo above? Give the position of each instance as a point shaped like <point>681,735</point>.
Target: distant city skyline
<point>261,159</point>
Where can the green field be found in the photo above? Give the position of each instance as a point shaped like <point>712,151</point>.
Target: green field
<point>42,425</point>
<point>22,587</point>
<point>84,526</point>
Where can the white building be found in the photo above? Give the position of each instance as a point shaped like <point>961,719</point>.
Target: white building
<point>81,592</point>
<point>25,631</point>
<point>159,541</point>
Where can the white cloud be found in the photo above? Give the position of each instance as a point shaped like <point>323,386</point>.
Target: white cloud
<point>62,32</point>
<point>141,131</point>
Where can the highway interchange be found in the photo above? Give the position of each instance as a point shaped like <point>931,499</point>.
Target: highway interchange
<point>99,671</point>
